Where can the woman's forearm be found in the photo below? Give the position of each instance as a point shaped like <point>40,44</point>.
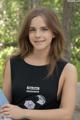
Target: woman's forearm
<point>54,114</point>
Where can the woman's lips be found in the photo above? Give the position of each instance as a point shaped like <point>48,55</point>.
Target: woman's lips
<point>40,41</point>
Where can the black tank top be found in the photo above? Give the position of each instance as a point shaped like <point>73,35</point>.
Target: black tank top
<point>30,88</point>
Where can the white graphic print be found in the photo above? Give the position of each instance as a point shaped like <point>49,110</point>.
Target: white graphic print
<point>32,89</point>
<point>41,100</point>
<point>36,101</point>
<point>29,104</point>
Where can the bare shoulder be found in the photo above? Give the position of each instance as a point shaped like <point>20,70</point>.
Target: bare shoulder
<point>6,68</point>
<point>7,64</point>
<point>70,67</point>
<point>7,79</point>
<point>69,87</point>
<point>70,71</point>
<point>8,60</point>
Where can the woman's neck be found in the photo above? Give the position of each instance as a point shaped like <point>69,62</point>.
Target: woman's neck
<point>38,58</point>
<point>41,54</point>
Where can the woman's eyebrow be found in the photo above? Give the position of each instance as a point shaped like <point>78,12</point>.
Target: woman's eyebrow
<point>40,27</point>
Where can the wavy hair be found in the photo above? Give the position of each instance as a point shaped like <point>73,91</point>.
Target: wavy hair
<point>57,45</point>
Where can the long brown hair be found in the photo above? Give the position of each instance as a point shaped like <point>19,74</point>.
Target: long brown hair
<point>57,45</point>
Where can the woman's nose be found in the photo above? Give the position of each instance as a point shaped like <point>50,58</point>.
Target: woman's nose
<point>38,33</point>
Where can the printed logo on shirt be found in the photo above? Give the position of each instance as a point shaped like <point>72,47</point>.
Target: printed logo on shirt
<point>29,104</point>
<point>41,99</point>
<point>32,89</point>
<point>35,101</point>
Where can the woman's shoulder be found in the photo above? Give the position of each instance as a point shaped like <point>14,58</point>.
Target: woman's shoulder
<point>70,67</point>
<point>12,59</point>
<point>61,63</point>
<point>70,70</point>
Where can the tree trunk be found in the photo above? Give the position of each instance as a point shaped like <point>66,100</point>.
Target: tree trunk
<point>67,19</point>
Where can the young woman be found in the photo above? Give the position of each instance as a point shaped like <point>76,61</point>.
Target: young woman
<point>38,82</point>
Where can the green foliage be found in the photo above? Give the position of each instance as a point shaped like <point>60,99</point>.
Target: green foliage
<point>77,64</point>
<point>53,4</point>
<point>6,52</point>
<point>3,56</point>
<point>76,49</point>
<point>9,20</point>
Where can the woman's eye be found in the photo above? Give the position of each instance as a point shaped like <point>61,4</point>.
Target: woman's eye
<point>41,29</point>
<point>32,30</point>
<point>44,29</point>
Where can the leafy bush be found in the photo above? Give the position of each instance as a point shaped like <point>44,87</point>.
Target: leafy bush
<point>3,55</point>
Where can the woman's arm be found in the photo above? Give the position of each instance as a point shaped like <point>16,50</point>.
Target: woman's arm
<point>7,80</point>
<point>66,110</point>
<point>67,102</point>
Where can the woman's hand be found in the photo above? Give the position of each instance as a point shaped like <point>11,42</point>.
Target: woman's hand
<point>12,111</point>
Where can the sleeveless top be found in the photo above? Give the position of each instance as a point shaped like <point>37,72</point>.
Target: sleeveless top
<point>30,88</point>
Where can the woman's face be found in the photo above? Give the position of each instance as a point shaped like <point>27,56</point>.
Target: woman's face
<point>40,35</point>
